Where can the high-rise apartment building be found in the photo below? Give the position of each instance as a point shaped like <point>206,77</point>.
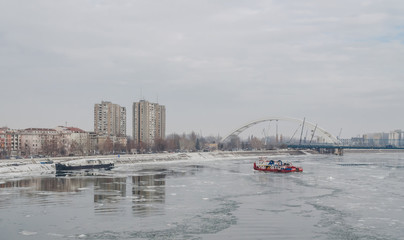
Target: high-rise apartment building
<point>149,122</point>
<point>109,119</point>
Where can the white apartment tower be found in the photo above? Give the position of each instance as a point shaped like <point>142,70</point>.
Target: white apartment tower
<point>149,122</point>
<point>109,119</point>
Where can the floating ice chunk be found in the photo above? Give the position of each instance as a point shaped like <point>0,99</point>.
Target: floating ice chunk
<point>55,235</point>
<point>27,233</point>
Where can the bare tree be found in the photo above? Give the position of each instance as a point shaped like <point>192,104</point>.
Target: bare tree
<point>235,143</point>
<point>75,148</point>
<point>130,145</point>
<point>49,145</point>
<point>118,147</point>
<point>160,145</point>
<point>142,147</point>
<point>173,142</point>
<point>107,146</point>
<point>256,143</point>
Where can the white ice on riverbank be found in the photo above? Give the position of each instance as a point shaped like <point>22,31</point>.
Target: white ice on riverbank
<point>22,167</point>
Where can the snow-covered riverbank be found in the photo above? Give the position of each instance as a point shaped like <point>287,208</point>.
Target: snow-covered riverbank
<point>22,167</point>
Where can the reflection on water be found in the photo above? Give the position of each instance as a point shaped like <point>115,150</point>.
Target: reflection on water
<point>150,188</point>
<point>110,194</point>
<point>105,188</point>
<point>40,191</point>
<point>50,184</point>
<point>147,190</point>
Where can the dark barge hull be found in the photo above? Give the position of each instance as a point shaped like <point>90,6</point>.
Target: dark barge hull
<point>63,167</point>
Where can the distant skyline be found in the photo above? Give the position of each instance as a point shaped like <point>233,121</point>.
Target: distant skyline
<point>215,65</point>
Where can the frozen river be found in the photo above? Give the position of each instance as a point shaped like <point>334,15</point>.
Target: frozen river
<point>356,196</point>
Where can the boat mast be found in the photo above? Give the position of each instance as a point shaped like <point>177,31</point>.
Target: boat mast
<point>301,134</point>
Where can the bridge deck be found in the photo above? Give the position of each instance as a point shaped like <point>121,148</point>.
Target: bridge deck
<point>331,146</point>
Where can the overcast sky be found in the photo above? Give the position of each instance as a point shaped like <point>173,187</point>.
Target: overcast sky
<point>215,65</point>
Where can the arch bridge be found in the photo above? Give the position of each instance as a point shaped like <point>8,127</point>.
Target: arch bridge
<point>328,137</point>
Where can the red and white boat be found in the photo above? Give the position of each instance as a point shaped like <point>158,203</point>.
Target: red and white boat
<point>266,165</point>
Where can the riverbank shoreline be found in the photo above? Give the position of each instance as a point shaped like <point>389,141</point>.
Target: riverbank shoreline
<point>22,167</point>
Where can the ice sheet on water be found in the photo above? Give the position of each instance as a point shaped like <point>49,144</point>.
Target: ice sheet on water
<point>55,235</point>
<point>210,221</point>
<point>355,164</point>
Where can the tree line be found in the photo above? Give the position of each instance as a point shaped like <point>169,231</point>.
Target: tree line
<point>187,142</point>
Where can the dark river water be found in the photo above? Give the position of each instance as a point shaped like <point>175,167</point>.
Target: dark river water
<point>356,196</point>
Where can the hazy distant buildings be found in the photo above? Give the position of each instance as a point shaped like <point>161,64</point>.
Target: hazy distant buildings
<point>392,139</point>
<point>149,122</point>
<point>396,138</point>
<point>109,119</point>
<point>376,139</point>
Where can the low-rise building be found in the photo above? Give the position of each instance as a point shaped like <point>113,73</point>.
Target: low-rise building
<point>74,140</point>
<point>39,141</point>
<point>60,141</point>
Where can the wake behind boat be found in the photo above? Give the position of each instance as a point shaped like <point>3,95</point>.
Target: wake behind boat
<point>275,166</point>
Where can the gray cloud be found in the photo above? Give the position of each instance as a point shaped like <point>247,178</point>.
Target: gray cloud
<point>215,65</point>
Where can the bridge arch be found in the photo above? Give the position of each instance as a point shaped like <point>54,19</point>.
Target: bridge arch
<point>327,136</point>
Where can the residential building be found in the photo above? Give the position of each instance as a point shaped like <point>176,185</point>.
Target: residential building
<point>60,141</point>
<point>149,122</point>
<point>109,119</point>
<point>10,142</point>
<point>93,142</point>
<point>3,149</point>
<point>39,141</point>
<point>74,141</point>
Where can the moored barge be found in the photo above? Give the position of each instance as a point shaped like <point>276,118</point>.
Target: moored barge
<point>84,165</point>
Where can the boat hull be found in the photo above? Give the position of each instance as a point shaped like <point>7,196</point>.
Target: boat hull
<point>64,167</point>
<point>278,170</point>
